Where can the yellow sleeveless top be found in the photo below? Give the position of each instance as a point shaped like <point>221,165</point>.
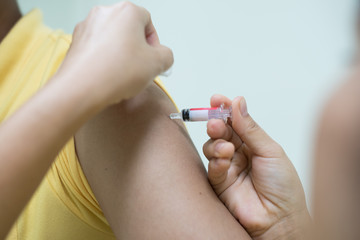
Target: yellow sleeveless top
<point>63,207</point>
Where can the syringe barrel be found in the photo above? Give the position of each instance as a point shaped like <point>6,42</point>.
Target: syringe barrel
<point>199,114</point>
<point>205,114</point>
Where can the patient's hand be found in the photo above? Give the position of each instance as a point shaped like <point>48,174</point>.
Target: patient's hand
<point>115,54</point>
<point>252,175</point>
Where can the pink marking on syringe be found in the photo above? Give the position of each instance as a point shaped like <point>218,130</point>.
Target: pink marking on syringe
<point>197,109</point>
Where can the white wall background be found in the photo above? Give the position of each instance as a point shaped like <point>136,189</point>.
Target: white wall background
<point>284,56</point>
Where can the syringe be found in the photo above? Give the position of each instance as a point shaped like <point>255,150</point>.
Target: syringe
<point>202,114</point>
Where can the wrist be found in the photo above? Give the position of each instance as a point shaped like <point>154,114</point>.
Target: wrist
<point>292,227</point>
<point>86,99</point>
<point>70,99</point>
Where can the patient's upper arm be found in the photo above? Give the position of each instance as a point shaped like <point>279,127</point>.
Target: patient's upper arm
<point>147,176</point>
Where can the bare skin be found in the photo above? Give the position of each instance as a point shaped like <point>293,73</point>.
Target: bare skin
<point>129,28</point>
<point>9,15</point>
<point>336,192</point>
<point>148,193</point>
<point>147,175</point>
<point>143,168</point>
<point>254,178</point>
<point>243,158</point>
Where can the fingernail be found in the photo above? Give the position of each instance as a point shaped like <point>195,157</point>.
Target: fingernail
<point>243,107</point>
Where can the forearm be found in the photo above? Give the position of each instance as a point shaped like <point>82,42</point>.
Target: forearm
<point>30,140</point>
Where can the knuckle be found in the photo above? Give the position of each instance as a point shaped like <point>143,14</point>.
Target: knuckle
<point>127,5</point>
<point>78,27</point>
<point>131,10</point>
<point>146,13</point>
<point>252,126</point>
<point>95,10</point>
<point>276,147</point>
<point>142,13</point>
<point>206,148</point>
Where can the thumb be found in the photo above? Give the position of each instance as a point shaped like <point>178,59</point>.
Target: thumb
<point>257,140</point>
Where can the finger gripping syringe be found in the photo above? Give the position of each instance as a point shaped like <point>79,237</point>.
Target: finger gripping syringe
<point>202,114</point>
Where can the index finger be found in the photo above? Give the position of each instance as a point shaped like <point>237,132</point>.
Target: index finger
<point>218,99</point>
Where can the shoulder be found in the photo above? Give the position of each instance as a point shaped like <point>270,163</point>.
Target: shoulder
<point>142,122</point>
<point>142,116</point>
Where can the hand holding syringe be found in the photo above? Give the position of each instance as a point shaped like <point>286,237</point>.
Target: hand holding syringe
<point>200,114</point>
<point>203,114</point>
